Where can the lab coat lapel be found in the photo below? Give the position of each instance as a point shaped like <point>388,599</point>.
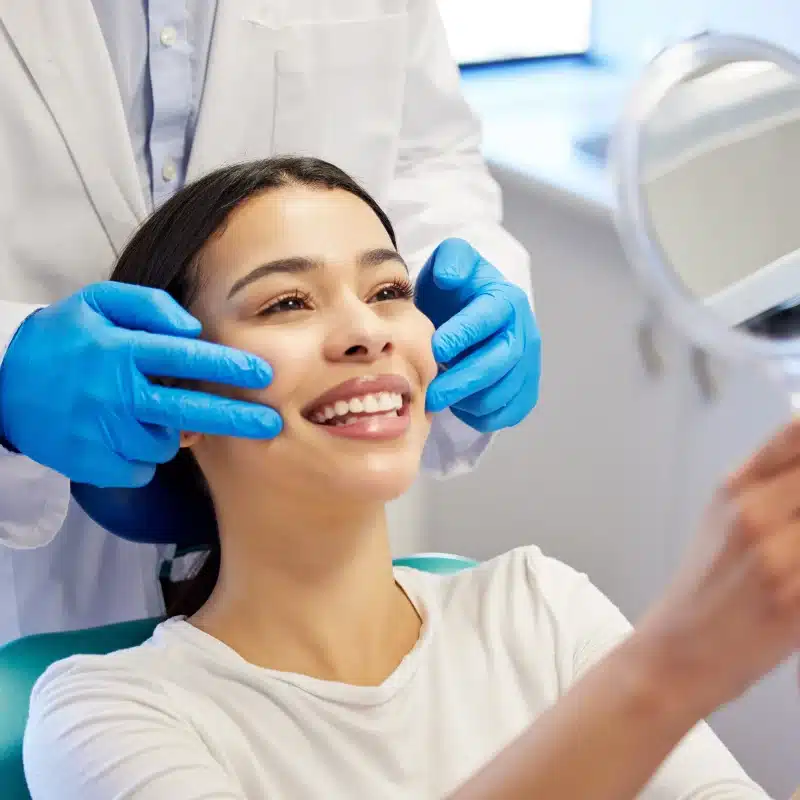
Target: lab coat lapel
<point>237,108</point>
<point>63,48</point>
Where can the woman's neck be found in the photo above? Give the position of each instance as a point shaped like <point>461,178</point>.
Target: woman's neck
<point>310,589</point>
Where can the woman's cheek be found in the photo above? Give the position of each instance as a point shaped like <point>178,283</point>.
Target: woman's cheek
<point>422,346</point>
<point>288,354</point>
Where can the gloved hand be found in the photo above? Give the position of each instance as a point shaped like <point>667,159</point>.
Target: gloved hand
<point>74,396</point>
<point>486,337</point>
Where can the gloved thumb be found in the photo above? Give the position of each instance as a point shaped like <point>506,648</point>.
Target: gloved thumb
<point>141,308</point>
<point>453,263</point>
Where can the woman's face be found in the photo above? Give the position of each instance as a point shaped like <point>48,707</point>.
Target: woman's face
<point>308,279</point>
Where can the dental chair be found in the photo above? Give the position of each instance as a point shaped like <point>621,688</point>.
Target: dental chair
<point>24,660</point>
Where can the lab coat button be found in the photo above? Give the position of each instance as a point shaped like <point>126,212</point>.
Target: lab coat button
<point>168,36</point>
<point>168,171</point>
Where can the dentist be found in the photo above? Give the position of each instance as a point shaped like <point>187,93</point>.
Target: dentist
<point>106,109</point>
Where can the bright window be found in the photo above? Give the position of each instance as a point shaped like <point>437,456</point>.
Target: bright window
<point>497,30</point>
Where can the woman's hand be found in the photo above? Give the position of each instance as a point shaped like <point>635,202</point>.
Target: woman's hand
<point>733,613</point>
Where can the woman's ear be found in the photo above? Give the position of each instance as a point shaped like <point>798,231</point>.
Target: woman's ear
<point>190,439</point>
<point>187,438</point>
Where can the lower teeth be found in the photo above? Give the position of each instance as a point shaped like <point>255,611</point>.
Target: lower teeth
<point>340,423</point>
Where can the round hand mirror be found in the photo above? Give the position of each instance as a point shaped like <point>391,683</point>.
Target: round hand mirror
<point>706,161</point>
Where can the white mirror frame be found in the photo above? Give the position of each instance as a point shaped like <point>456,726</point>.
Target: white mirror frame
<point>667,70</point>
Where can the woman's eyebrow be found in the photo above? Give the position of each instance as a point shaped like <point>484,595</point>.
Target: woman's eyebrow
<point>291,265</point>
<point>374,258</point>
<point>297,264</point>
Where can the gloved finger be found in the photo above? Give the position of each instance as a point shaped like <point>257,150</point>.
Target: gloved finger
<point>454,263</point>
<point>148,444</point>
<point>512,414</point>
<point>199,412</point>
<point>477,321</point>
<point>141,308</point>
<point>496,397</point>
<point>186,359</point>
<point>477,371</point>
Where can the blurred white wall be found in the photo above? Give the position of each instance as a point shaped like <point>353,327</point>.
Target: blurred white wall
<point>407,523</point>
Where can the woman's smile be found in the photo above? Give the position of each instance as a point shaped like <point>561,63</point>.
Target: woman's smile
<point>367,408</point>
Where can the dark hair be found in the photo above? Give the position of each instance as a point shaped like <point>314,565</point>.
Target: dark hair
<point>163,254</point>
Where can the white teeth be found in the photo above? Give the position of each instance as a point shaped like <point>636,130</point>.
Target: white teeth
<point>368,404</point>
<point>343,423</point>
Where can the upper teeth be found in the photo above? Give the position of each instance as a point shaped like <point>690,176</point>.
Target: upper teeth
<point>366,404</point>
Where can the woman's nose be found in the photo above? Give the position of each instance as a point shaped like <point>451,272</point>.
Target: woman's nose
<point>364,337</point>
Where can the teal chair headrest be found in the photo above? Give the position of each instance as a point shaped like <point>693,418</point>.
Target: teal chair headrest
<point>438,563</point>
<point>24,660</point>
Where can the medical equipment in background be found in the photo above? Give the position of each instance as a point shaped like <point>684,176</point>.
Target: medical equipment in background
<point>706,163</point>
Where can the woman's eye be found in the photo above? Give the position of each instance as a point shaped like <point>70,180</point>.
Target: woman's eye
<point>295,302</point>
<point>399,290</point>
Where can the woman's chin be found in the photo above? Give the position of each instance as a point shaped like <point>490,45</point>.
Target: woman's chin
<point>379,478</point>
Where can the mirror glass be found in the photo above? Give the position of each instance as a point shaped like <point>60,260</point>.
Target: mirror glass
<point>720,181</point>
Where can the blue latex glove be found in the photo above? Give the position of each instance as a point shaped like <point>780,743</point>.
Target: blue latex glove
<point>74,396</point>
<point>486,338</point>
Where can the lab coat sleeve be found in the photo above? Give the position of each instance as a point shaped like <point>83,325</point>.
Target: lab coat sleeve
<point>96,731</point>
<point>33,498</point>
<point>700,767</point>
<point>442,188</point>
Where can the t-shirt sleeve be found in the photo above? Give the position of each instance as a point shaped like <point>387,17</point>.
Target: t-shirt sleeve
<point>590,625</point>
<point>97,731</point>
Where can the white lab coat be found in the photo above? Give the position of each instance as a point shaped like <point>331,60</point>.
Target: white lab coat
<point>366,84</point>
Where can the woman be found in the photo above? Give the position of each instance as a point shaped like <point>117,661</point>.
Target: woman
<point>299,663</point>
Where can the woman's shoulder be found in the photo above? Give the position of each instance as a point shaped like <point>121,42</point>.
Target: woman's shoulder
<point>531,605</point>
<point>526,569</point>
<point>143,670</point>
<point>513,584</point>
<point>118,725</point>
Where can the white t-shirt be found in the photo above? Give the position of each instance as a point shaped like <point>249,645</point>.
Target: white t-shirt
<point>183,716</point>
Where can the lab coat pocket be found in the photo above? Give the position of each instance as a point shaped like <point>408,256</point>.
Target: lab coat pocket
<point>339,94</point>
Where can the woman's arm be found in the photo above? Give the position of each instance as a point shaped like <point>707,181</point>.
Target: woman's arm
<point>606,738</point>
<point>95,733</point>
<point>620,730</point>
<point>730,617</point>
